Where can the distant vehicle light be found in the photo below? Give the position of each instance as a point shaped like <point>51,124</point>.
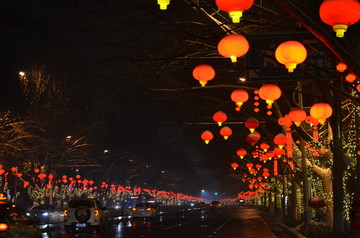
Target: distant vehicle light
<point>45,214</point>
<point>3,227</point>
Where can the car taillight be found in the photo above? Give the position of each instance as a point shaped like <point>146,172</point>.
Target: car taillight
<point>3,227</point>
<point>133,209</point>
<point>148,209</point>
<point>66,212</point>
<point>96,212</point>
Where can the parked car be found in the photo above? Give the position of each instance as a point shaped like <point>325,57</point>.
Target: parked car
<point>215,205</point>
<point>144,210</point>
<point>46,214</point>
<point>14,222</point>
<point>85,214</point>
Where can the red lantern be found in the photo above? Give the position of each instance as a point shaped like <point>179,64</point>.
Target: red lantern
<point>278,152</point>
<point>163,4</point>
<point>258,166</point>
<point>269,93</point>
<point>251,123</point>
<point>36,170</point>
<point>269,154</point>
<point>239,96</point>
<point>225,132</point>
<point>249,165</point>
<point>280,140</point>
<point>234,165</point>
<point>252,138</point>
<point>203,73</point>
<point>321,111</point>
<point>241,152</point>
<point>350,78</point>
<point>290,53</point>
<point>340,14</point>
<point>297,116</point>
<point>264,146</point>
<point>358,88</point>
<point>235,8</point>
<point>233,46</point>
<point>341,67</point>
<point>207,136</point>
<point>266,174</point>
<point>219,117</point>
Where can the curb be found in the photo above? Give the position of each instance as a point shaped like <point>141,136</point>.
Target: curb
<point>291,231</point>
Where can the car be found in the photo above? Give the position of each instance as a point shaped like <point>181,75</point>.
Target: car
<point>215,204</point>
<point>144,210</point>
<point>46,214</point>
<point>85,214</point>
<point>14,222</point>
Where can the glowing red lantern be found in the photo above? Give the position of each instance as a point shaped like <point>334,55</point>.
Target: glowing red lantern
<point>226,132</point>
<point>297,116</point>
<point>203,73</point>
<point>36,170</point>
<point>235,8</point>
<point>249,165</point>
<point>350,78</point>
<point>219,117</point>
<point>14,169</point>
<point>233,46</point>
<point>252,138</point>
<point>258,166</point>
<point>234,165</point>
<point>358,88</point>
<point>163,4</point>
<point>321,111</point>
<point>269,154</point>
<point>239,96</point>
<point>207,136</point>
<point>341,67</point>
<point>266,174</point>
<point>251,123</point>
<point>269,93</point>
<point>340,14</point>
<point>241,152</point>
<point>278,152</point>
<point>280,140</point>
<point>290,53</point>
<point>264,146</point>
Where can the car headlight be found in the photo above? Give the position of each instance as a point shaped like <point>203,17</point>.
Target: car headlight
<point>45,214</point>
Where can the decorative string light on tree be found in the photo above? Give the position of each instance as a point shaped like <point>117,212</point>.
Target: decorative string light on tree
<point>239,96</point>
<point>233,46</point>
<point>219,117</point>
<point>340,14</point>
<point>226,132</point>
<point>234,8</point>
<point>269,93</point>
<point>207,136</point>
<point>290,53</point>
<point>203,73</point>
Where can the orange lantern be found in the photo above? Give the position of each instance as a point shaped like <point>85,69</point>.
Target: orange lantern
<point>251,123</point>
<point>297,116</point>
<point>235,8</point>
<point>207,136</point>
<point>239,96</point>
<point>321,111</point>
<point>269,93</point>
<point>203,73</point>
<point>252,138</point>
<point>233,46</point>
<point>241,152</point>
<point>340,14</point>
<point>234,165</point>
<point>350,78</point>
<point>163,4</point>
<point>264,146</point>
<point>290,53</point>
<point>280,140</point>
<point>341,67</point>
<point>226,132</point>
<point>219,117</point>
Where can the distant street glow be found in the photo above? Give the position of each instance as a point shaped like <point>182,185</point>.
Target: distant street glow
<point>242,79</point>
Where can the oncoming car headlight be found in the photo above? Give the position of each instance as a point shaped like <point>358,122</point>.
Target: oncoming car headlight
<point>45,214</point>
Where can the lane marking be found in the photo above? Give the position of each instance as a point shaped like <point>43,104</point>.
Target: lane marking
<point>220,227</point>
<point>178,225</point>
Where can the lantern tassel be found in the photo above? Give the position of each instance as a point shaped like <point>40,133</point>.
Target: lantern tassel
<point>289,145</point>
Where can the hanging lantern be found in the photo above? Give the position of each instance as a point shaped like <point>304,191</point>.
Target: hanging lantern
<point>249,165</point>
<point>258,166</point>
<point>297,116</point>
<point>358,88</point>
<point>269,93</point>
<point>290,53</point>
<point>280,140</point>
<point>278,152</point>
<point>264,146</point>
<point>251,123</point>
<point>233,46</point>
<point>276,168</point>
<point>269,154</point>
<point>266,174</point>
<point>226,132</point>
<point>241,152</point>
<point>163,4</point>
<point>340,14</point>
<point>235,8</point>
<point>239,96</point>
<point>350,78</point>
<point>234,165</point>
<point>321,111</point>
<point>203,73</point>
<point>252,138</point>
<point>219,117</point>
<point>341,67</point>
<point>314,123</point>
<point>207,136</point>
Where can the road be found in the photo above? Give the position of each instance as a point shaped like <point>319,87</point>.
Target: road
<point>226,222</point>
